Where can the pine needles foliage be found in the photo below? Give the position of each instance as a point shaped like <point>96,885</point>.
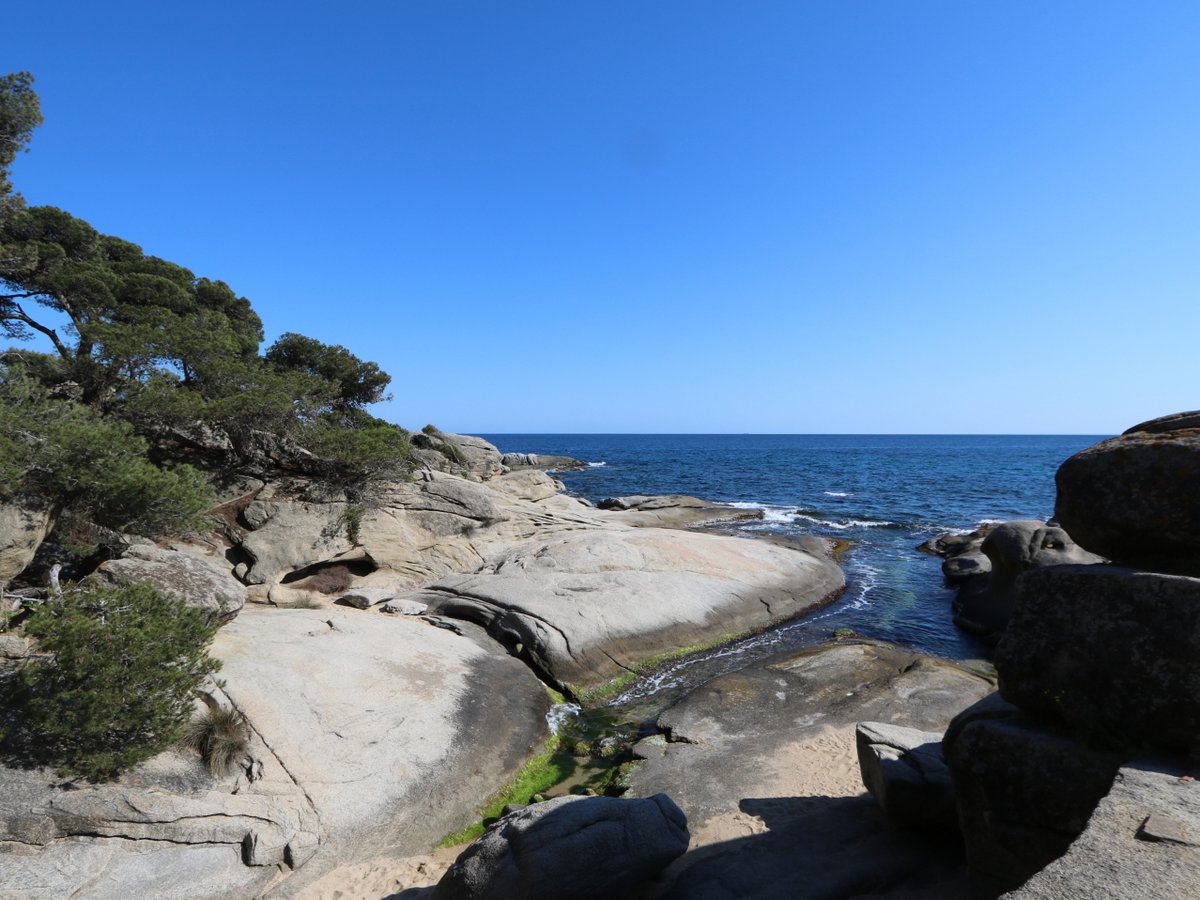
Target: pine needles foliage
<point>113,682</point>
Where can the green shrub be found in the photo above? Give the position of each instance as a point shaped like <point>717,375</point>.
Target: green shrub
<point>117,681</point>
<point>220,736</point>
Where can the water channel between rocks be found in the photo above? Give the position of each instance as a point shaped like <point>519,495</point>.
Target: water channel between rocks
<point>881,494</point>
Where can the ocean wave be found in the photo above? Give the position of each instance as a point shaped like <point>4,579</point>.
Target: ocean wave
<point>596,465</point>
<point>772,515</point>
<point>847,524</point>
<point>838,493</point>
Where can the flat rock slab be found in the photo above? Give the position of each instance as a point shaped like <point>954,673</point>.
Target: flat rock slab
<point>586,606</point>
<point>395,730</point>
<point>763,763</point>
<point>1116,857</point>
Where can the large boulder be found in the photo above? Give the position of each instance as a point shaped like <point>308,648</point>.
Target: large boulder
<point>570,848</point>
<point>1023,792</point>
<point>23,526</point>
<point>584,607</point>
<point>464,454</point>
<point>1012,548</point>
<point>411,532</point>
<point>904,771</point>
<point>1142,841</point>
<point>1112,653</point>
<point>1136,498</point>
<point>202,582</point>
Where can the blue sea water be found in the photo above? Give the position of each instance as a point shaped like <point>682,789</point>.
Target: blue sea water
<point>884,493</point>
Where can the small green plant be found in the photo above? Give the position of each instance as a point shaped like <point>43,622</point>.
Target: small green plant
<point>541,773</point>
<point>220,736</point>
<point>430,429</point>
<point>113,681</point>
<point>351,520</point>
<point>451,452</point>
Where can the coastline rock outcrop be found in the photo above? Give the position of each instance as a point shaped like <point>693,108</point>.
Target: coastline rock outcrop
<point>463,454</point>
<point>1096,662</point>
<point>585,607</point>
<point>675,511</point>
<point>542,461</point>
<point>984,604</point>
<point>569,848</point>
<point>1135,498</point>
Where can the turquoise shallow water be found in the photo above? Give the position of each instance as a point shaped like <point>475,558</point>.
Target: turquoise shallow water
<point>886,493</point>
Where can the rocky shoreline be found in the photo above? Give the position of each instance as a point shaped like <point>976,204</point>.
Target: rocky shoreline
<point>397,659</point>
<point>392,659</point>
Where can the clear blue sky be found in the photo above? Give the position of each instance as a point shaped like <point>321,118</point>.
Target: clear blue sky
<point>664,217</point>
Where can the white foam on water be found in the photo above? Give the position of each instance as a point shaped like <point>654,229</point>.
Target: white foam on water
<point>596,465</point>
<point>841,526</point>
<point>560,713</point>
<point>838,493</point>
<point>772,515</point>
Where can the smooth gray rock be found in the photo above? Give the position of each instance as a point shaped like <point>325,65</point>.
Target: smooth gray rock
<point>533,485</point>
<point>1112,653</point>
<point>404,607</point>
<point>542,461</point>
<point>1141,843</point>
<point>1136,499</point>
<point>1023,792</point>
<point>904,771</point>
<point>199,582</point>
<point>395,730</point>
<point>586,605</point>
<point>569,848</point>
<point>23,526</point>
<point>166,828</point>
<point>958,569</point>
<point>956,543</point>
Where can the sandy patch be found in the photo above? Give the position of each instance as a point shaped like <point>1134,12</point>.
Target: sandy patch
<point>381,877</point>
<point>824,765</point>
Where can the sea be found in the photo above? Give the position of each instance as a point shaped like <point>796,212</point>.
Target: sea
<point>885,494</point>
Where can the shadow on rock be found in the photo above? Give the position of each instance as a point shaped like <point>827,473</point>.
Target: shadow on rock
<point>819,848</point>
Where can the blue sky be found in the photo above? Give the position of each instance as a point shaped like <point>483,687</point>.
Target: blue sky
<point>958,217</point>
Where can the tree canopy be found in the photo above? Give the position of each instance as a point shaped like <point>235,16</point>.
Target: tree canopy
<point>20,114</point>
<point>143,346</point>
